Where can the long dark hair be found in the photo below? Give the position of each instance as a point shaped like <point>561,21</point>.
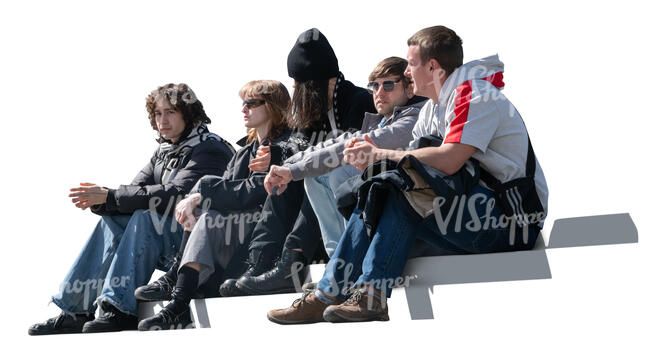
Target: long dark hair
<point>309,103</point>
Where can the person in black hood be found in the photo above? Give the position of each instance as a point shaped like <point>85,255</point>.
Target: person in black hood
<point>323,106</point>
<point>137,232</point>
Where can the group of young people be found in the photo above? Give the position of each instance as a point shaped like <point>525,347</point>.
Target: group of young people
<point>429,159</point>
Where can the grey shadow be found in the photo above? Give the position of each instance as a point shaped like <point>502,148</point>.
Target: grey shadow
<point>454,269</point>
<point>593,230</point>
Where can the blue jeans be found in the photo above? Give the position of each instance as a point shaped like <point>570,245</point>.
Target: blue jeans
<point>379,262</point>
<point>320,191</point>
<point>120,255</point>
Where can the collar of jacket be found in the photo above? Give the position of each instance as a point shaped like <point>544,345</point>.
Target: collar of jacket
<point>188,133</point>
<point>186,138</point>
<point>342,100</point>
<point>416,101</point>
<point>488,69</point>
<point>242,141</point>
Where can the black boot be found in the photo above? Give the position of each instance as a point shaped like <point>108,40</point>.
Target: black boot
<point>161,289</point>
<point>286,277</point>
<point>111,320</point>
<point>258,263</point>
<point>176,315</point>
<point>63,323</point>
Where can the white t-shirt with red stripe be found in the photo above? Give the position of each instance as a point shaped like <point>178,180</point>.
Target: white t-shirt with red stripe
<point>472,110</point>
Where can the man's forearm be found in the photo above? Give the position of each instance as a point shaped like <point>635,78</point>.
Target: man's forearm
<point>448,158</point>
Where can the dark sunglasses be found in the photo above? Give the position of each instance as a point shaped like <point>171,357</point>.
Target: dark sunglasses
<point>253,102</point>
<point>389,86</point>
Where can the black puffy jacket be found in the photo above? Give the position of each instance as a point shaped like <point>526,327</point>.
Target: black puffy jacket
<point>170,174</point>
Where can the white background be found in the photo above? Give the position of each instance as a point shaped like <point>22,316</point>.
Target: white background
<point>73,82</point>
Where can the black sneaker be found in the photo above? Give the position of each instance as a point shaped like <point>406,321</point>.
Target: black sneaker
<point>111,320</point>
<point>168,319</point>
<point>63,323</point>
<point>286,277</point>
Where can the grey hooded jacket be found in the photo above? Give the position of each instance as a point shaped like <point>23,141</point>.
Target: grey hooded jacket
<point>328,155</point>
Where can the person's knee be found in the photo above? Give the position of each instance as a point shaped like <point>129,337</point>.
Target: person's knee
<point>139,214</point>
<point>341,174</point>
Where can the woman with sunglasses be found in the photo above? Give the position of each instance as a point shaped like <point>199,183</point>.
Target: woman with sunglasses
<point>324,105</point>
<point>228,208</point>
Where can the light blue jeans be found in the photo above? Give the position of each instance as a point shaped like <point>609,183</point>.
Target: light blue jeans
<point>120,255</point>
<point>320,191</point>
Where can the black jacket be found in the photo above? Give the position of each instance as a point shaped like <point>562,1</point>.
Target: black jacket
<point>239,189</point>
<point>170,174</point>
<point>368,192</point>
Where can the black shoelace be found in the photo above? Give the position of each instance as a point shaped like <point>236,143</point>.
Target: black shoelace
<point>166,283</point>
<point>298,302</point>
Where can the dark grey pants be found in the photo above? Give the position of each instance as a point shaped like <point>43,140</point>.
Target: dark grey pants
<point>216,238</point>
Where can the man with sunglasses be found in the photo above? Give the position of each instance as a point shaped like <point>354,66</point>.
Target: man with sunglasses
<point>471,119</point>
<point>322,166</point>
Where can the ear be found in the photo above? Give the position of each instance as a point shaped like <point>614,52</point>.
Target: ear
<point>433,65</point>
<point>409,90</point>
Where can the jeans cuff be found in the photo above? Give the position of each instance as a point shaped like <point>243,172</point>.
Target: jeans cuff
<point>323,298</point>
<point>113,303</point>
<point>66,309</point>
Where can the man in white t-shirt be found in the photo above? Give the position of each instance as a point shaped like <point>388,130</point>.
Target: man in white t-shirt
<point>474,120</point>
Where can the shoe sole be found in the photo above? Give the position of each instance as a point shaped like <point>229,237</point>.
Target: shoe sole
<point>333,317</point>
<point>275,320</point>
<point>107,330</point>
<point>61,331</point>
<point>175,327</point>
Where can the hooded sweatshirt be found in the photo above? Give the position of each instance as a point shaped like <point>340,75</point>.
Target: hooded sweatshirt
<point>472,110</point>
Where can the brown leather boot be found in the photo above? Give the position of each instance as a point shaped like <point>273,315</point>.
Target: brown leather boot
<point>306,309</point>
<point>360,307</point>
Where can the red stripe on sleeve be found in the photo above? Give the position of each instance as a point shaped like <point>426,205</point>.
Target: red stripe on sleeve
<point>461,110</point>
<point>496,80</point>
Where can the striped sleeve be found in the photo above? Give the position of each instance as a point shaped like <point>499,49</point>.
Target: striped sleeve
<point>473,116</point>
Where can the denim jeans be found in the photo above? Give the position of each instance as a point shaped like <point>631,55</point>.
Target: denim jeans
<point>379,262</point>
<point>120,255</point>
<point>320,191</point>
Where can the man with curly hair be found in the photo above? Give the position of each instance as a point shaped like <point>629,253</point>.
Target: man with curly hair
<point>137,232</point>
